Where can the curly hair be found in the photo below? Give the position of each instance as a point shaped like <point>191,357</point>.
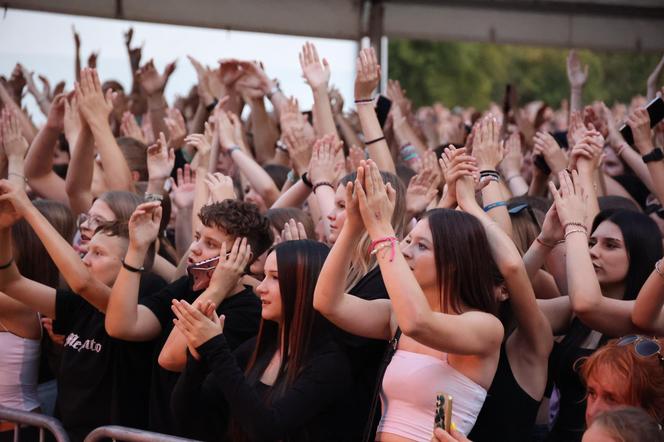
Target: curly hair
<point>239,219</point>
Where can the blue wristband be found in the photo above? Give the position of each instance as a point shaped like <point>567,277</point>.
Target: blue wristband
<point>494,205</point>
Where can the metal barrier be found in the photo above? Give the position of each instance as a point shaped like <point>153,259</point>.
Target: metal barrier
<point>130,435</point>
<point>40,421</point>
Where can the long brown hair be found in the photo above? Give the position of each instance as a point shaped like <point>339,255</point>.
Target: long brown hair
<point>302,328</point>
<point>32,259</point>
<point>465,269</point>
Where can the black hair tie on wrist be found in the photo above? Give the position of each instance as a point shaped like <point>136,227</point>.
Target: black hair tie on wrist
<point>374,141</point>
<point>132,268</point>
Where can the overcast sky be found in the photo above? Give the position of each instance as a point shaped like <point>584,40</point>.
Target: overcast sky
<point>43,43</point>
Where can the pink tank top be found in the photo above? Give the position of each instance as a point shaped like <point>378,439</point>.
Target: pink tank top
<point>408,396</point>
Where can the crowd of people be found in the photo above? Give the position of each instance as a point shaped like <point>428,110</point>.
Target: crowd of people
<point>324,275</point>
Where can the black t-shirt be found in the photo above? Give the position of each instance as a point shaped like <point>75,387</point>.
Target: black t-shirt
<point>243,314</point>
<point>102,380</point>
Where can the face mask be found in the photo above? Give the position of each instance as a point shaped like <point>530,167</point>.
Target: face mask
<point>201,272</point>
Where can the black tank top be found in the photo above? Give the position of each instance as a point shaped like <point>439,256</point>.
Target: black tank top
<point>508,413</point>
<point>564,364</point>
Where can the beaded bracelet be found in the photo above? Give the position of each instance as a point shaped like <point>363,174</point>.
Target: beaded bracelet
<point>322,183</point>
<point>581,225</point>
<point>576,231</point>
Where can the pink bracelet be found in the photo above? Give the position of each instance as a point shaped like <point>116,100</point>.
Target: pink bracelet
<point>393,240</point>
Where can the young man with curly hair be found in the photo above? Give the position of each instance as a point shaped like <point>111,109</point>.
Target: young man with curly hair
<point>231,226</point>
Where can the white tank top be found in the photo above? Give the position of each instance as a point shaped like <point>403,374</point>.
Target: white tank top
<point>408,396</point>
<point>19,369</point>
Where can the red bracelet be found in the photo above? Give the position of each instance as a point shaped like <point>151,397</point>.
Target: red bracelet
<point>393,240</point>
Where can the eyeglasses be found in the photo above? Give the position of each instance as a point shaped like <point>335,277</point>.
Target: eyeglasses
<point>93,221</point>
<point>520,207</point>
<point>643,346</point>
<point>655,208</point>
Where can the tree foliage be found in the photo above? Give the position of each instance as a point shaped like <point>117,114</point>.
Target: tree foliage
<point>474,74</point>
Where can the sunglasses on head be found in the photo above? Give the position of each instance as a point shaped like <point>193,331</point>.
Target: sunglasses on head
<point>515,210</point>
<point>643,346</point>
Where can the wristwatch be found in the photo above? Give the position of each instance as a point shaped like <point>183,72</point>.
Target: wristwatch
<point>654,155</point>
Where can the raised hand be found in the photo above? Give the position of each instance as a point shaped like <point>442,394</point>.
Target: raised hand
<point>230,71</point>
<point>194,325</point>
<point>570,199</point>
<point>177,129</point>
<point>323,160</point>
<point>456,164</point>
<point>576,73</point>
<point>576,130</point>
<point>593,120</point>
<point>548,147</point>
<point>315,72</point>
<point>135,54</point>
<point>231,266</point>
<point>13,142</point>
<point>160,159</point>
<point>552,230</point>
<point>513,158</point>
<point>184,188</point>
<point>14,202</point>
<point>220,187</point>
<point>73,120</point>
<point>144,225</point>
<point>92,103</point>
<point>487,148</point>
<point>356,155</point>
<point>199,142</point>
<point>16,83</point>
<point>639,122</point>
<point>226,131</point>
<point>293,231</point>
<point>422,189</point>
<point>586,154</point>
<point>42,97</point>
<point>129,127</point>
<point>151,81</point>
<point>336,101</point>
<point>299,143</point>
<point>376,201</point>
<point>367,77</point>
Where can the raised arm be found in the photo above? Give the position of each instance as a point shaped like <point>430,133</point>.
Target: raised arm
<point>14,146</point>
<point>639,122</point>
<point>37,296</point>
<point>534,328</point>
<point>78,181</point>
<point>577,76</point>
<point>469,333</point>
<point>488,150</point>
<point>323,176</point>
<point>316,72</point>
<point>125,318</point>
<point>255,174</point>
<point>510,167</point>
<point>371,319</point>
<point>153,84</point>
<point>96,108</point>
<point>647,313</point>
<point>366,81</point>
<point>606,315</point>
<point>39,161</point>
